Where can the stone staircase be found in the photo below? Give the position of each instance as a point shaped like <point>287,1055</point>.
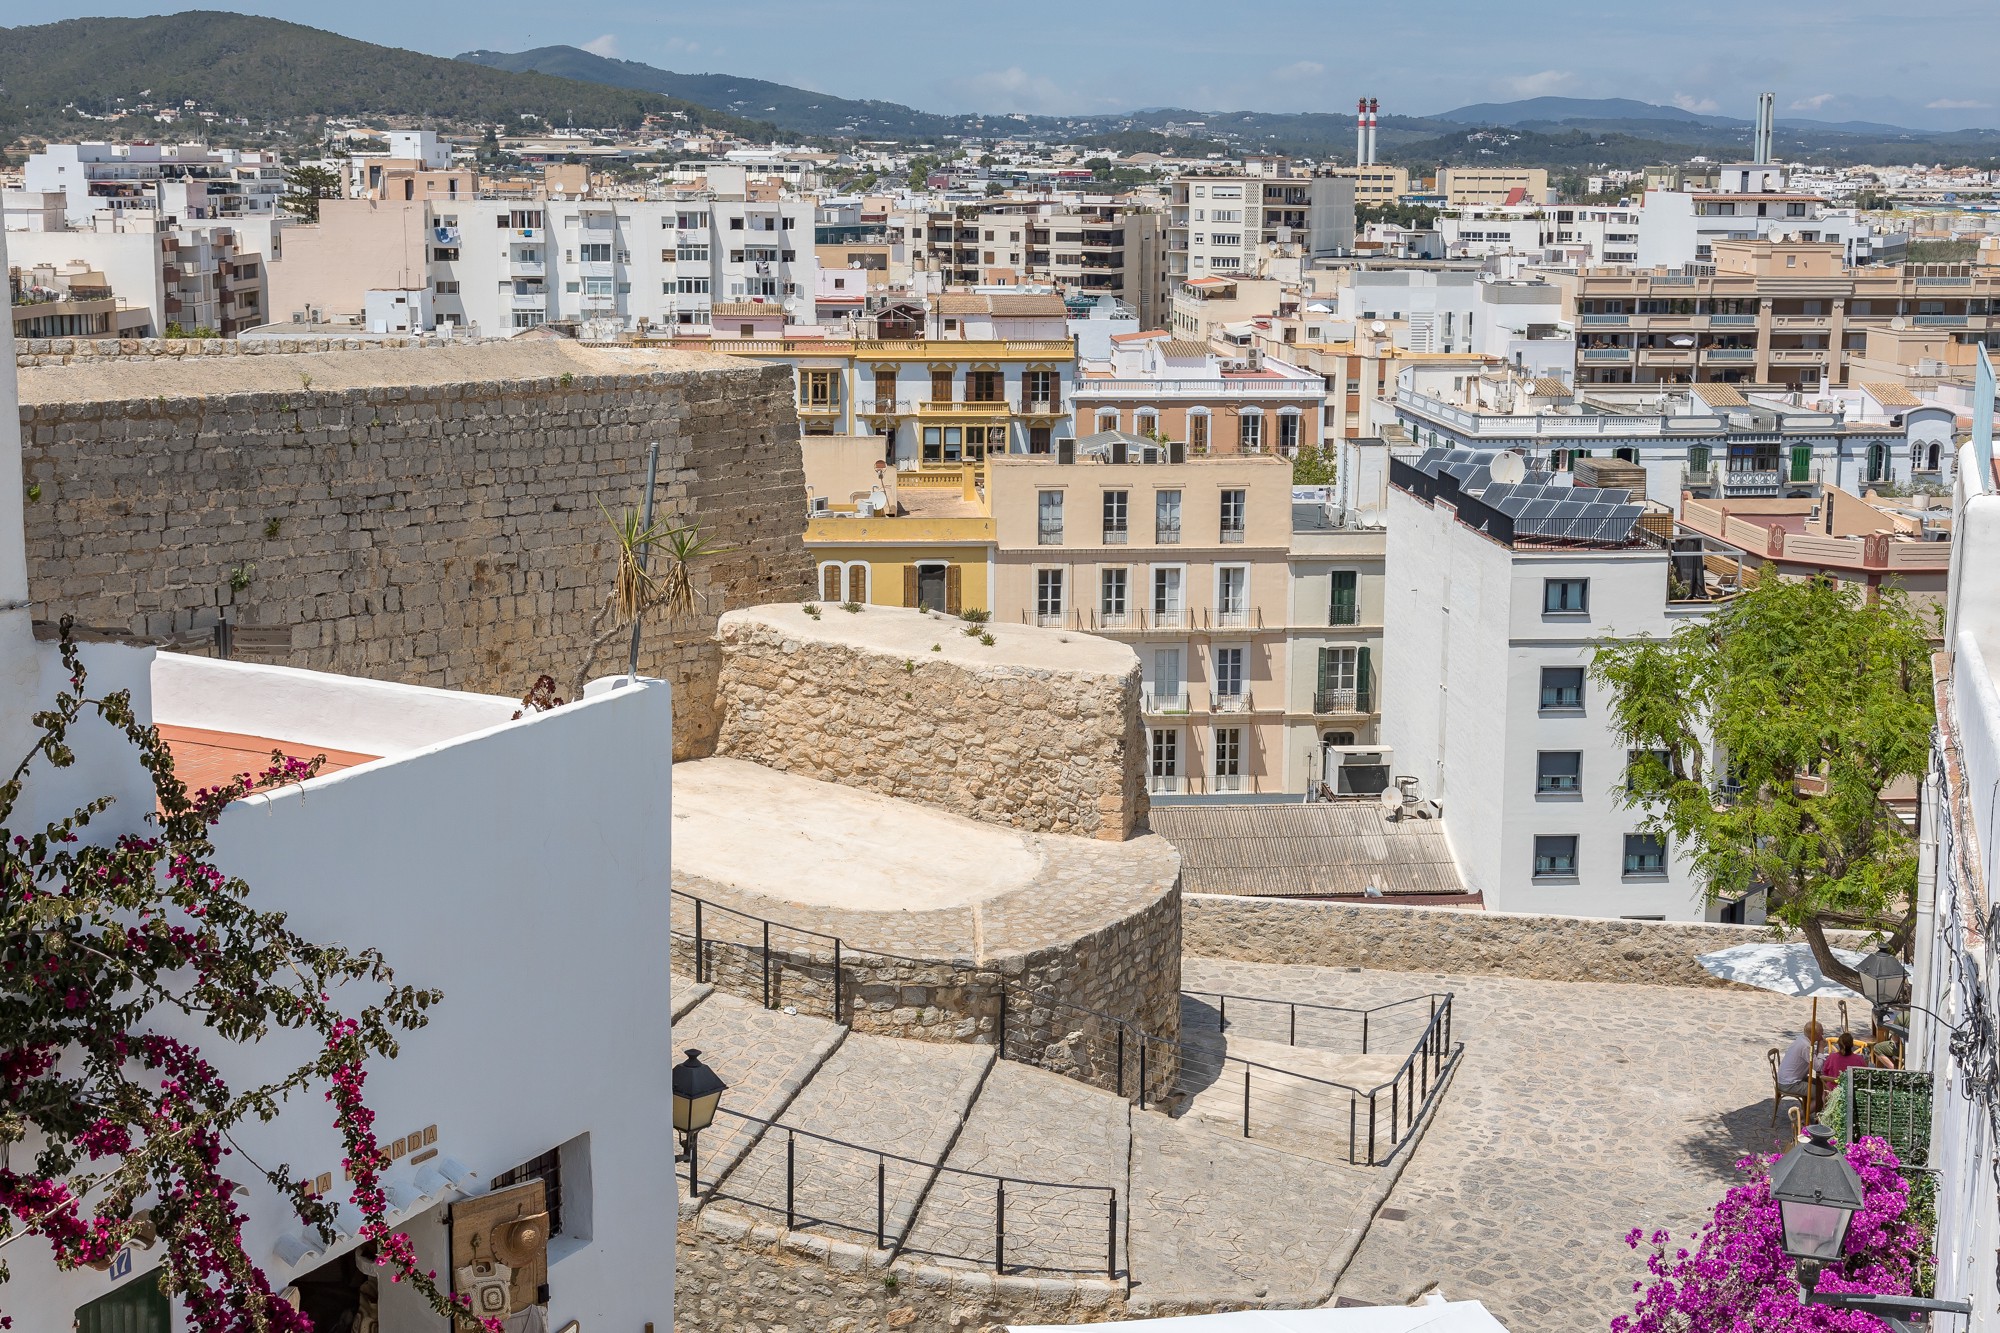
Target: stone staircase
<point>1204,1219</point>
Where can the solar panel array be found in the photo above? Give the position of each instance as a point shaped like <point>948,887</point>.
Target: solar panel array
<point>1537,507</point>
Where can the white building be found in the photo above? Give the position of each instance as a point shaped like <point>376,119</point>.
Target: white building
<point>190,182</point>
<point>1490,626</point>
<point>1216,223</point>
<point>1750,202</point>
<point>548,1057</point>
<point>1955,977</point>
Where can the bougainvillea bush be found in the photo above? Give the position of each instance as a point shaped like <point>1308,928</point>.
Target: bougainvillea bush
<point>1738,1279</point>
<point>115,950</point>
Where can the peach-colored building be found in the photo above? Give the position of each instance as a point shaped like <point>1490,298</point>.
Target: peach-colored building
<point>1187,562</point>
<point>1176,389</point>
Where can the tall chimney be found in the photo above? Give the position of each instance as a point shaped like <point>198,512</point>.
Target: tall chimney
<point>1761,151</point>
<point>1361,132</point>
<point>1372,105</point>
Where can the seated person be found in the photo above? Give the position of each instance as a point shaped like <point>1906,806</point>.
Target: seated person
<point>1795,1067</point>
<point>1847,1054</point>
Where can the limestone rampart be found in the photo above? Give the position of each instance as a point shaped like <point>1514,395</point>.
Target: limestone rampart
<point>431,515</point>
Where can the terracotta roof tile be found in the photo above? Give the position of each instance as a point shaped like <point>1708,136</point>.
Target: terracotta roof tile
<point>1720,395</point>
<point>1892,395</point>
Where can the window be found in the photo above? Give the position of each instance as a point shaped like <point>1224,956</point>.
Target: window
<point>736,224</point>
<point>1228,676</point>
<point>982,386</point>
<point>1558,773</point>
<point>1167,518</point>
<point>1555,856</point>
<point>816,388</point>
<point>1636,763</point>
<point>1232,516</point>
<point>597,286</point>
<point>1168,603</point>
<point>1229,759</point>
<point>1232,594</point>
<point>1250,432</point>
<point>697,254</point>
<point>443,254</point>
<point>1562,689</point>
<point>1566,597</point>
<point>1288,433</point>
<point>691,286</point>
<point>595,254</point>
<point>1114,517</point>
<point>1645,856</point>
<point>1345,606</point>
<point>446,287</point>
<point>1107,418</point>
<point>1339,671</point>
<point>1049,518</point>
<point>546,1168</point>
<point>1166,760</point>
<point>1111,594</point>
<point>1048,596</point>
<point>1698,458</point>
<point>688,221</point>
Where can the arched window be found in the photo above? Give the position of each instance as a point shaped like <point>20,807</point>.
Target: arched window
<point>1197,430</point>
<point>1626,455</point>
<point>1107,418</point>
<point>1250,431</point>
<point>1337,738</point>
<point>1145,422</point>
<point>1878,461</point>
<point>1289,427</point>
<point>1936,454</point>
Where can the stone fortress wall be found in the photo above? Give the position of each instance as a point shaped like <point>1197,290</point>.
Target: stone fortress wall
<point>36,352</point>
<point>914,707</point>
<point>426,514</point>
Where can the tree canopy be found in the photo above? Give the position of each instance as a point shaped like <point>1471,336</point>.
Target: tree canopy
<point>1813,701</point>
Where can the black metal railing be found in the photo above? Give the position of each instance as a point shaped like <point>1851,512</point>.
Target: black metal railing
<point>834,1185</point>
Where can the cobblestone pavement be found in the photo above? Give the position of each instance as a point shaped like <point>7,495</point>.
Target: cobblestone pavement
<point>874,1093</point>
<point>764,1055</point>
<point>1215,1217</point>
<point>1033,1125</point>
<point>1579,1112</point>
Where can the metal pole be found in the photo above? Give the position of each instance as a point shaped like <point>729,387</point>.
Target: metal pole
<point>1293,1039</point>
<point>699,948</point>
<point>791,1142</point>
<point>1364,1032</point>
<point>1142,1071</point>
<point>1246,1101</point>
<point>1121,1061</point>
<point>1000,1226</point>
<point>836,979</point>
<point>1111,1243</point>
<point>694,1172</point>
<point>1352,1108</point>
<point>1395,1108</point>
<point>1371,1129</point>
<point>1222,1006</point>
<point>645,527</point>
<point>881,1197</point>
<point>767,965</point>
<point>1002,1035</point>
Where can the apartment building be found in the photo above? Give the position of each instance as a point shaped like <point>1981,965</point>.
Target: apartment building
<point>1708,439</point>
<point>1569,234</point>
<point>72,301</point>
<point>1161,387</point>
<point>1086,248</point>
<point>1831,533</point>
<point>1493,185</point>
<point>206,275</point>
<point>1215,224</point>
<point>188,182</point>
<point>1375,183</point>
<point>1749,202</point>
<point>1789,313</point>
<point>1334,648</point>
<point>1492,620</point>
<point>884,536</point>
<point>501,265</point>
<point>1190,564</point>
<point>929,402</point>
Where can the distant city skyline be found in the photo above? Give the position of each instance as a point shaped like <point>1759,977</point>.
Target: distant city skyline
<point>1044,57</point>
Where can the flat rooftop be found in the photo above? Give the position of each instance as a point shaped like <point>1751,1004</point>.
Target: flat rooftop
<point>913,634</point>
<point>204,758</point>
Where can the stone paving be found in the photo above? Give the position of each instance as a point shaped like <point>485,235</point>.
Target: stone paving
<point>764,1055</point>
<point>1032,1125</point>
<point>1580,1111</point>
<point>883,1094</point>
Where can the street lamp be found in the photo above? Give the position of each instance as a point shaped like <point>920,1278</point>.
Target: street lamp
<point>697,1092</point>
<point>1818,1194</point>
<point>1883,977</point>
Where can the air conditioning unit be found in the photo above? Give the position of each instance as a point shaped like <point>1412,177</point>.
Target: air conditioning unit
<point>1177,451</point>
<point>1149,453</point>
<point>820,504</point>
<point>1066,450</point>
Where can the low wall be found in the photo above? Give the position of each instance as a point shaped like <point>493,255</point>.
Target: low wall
<point>34,352</point>
<point>1438,939</point>
<point>1038,730</point>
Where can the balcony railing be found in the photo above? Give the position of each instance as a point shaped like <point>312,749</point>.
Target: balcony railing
<point>1731,321</point>
<point>1050,619</point>
<point>1114,534</point>
<point>1049,534</point>
<point>970,406</point>
<point>1589,354</point>
<point>1232,532</point>
<point>1165,784</point>
<point>1237,702</point>
<point>1342,701</point>
<point>1232,617</point>
<point>1163,701</point>
<point>1166,534</point>
<point>1729,354</point>
<point>1170,618</point>
<point>1113,620</point>
<point>1590,320</point>
<point>1041,407</point>
<point>1737,481</point>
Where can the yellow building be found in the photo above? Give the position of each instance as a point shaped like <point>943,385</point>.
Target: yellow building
<point>1493,185</point>
<point>1375,183</point>
<point>884,537</point>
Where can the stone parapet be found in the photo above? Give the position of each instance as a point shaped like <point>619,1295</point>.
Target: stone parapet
<point>1453,940</point>
<point>38,352</point>
<point>1038,730</point>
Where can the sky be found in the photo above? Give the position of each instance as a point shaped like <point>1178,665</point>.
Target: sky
<point>1829,60</point>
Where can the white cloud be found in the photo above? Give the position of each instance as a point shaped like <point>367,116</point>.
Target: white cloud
<point>1958,104</point>
<point>1539,85</point>
<point>606,46</point>
<point>1814,103</point>
<point>1303,69</point>
<point>1014,89</point>
<point>1701,106</point>
<point>679,46</point>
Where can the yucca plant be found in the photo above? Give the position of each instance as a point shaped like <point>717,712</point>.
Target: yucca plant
<point>637,588</point>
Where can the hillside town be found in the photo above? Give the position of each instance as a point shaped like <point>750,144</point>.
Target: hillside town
<point>1346,721</point>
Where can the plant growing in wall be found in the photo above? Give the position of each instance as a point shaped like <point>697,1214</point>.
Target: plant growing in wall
<point>1814,702</point>
<point>637,589</point>
<point>117,1134</point>
<point>239,577</point>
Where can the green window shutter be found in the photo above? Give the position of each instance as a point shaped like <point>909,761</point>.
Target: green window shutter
<point>1801,462</point>
<point>1343,610</point>
<point>1325,669</point>
<point>1364,683</point>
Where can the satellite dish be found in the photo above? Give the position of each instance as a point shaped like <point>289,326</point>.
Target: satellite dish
<point>1379,327</point>
<point>1391,801</point>
<point>1508,469</point>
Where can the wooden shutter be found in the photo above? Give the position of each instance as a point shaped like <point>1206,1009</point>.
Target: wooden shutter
<point>909,585</point>
<point>952,585</point>
<point>829,583</point>
<point>857,583</point>
<point>1342,610</point>
<point>510,1225</point>
<point>1325,671</point>
<point>1364,683</point>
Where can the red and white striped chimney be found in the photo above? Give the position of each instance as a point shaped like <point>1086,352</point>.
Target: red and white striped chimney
<point>1373,104</point>
<point>1361,132</point>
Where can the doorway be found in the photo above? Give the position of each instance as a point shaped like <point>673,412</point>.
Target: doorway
<point>931,587</point>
